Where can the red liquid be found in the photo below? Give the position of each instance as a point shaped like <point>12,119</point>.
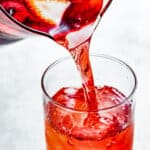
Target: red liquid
<point>112,130</point>
<point>103,130</point>
<point>71,23</point>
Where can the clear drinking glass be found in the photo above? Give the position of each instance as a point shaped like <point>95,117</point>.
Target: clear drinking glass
<point>70,125</point>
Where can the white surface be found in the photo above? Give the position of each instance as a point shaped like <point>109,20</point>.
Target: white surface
<point>123,32</point>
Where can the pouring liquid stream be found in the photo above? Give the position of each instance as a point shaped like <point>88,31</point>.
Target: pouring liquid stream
<point>70,23</point>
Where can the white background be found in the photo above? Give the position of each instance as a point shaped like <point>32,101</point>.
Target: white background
<point>123,32</point>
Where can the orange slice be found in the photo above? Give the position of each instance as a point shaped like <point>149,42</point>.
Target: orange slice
<point>50,11</point>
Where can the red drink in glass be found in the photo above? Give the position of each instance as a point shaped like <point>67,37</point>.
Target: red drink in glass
<point>121,141</point>
<point>69,122</point>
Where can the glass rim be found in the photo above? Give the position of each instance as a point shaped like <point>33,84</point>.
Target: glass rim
<point>108,57</point>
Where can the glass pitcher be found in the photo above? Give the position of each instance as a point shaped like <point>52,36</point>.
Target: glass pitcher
<point>12,30</point>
